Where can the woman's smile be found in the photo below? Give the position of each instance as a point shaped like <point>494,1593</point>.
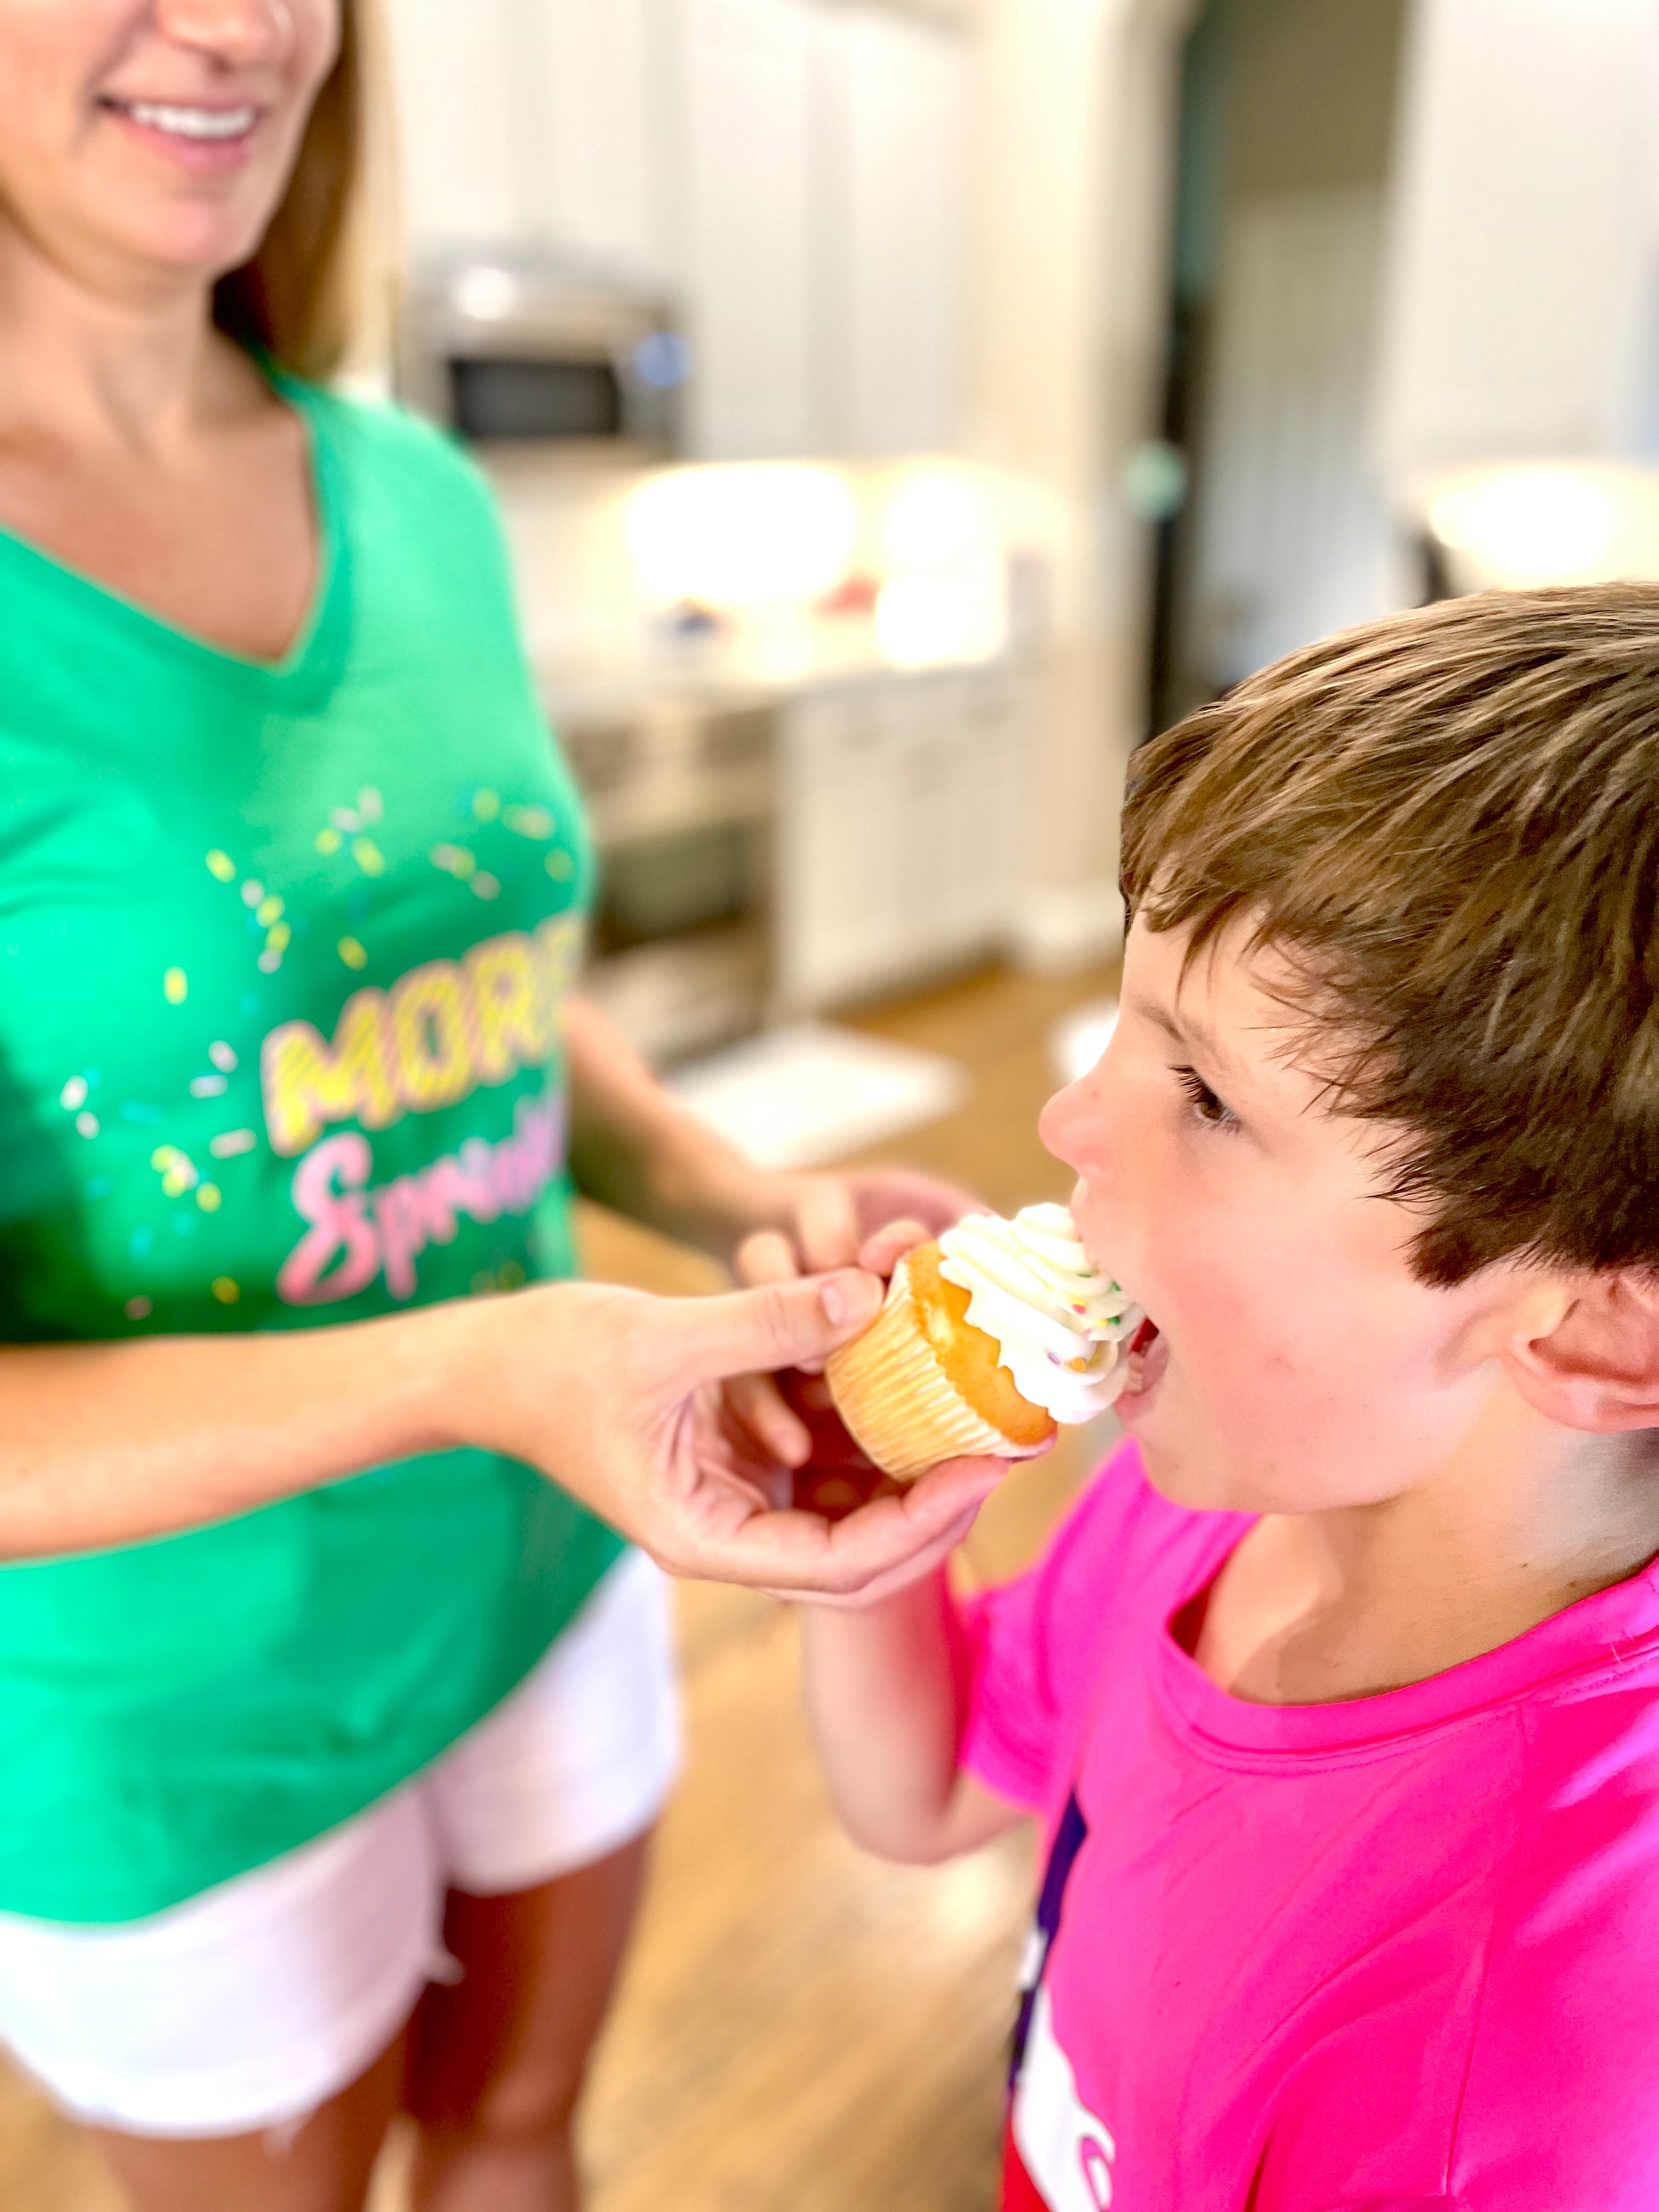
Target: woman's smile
<point>201,135</point>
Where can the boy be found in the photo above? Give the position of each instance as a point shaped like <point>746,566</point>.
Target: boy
<point>1337,1694</point>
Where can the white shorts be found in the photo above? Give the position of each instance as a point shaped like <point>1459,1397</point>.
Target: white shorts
<point>252,2005</point>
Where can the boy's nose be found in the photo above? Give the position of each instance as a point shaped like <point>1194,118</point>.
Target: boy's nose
<point>239,32</point>
<point>1073,1127</point>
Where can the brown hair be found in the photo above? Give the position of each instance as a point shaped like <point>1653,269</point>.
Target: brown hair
<point>1449,822</point>
<point>301,299</point>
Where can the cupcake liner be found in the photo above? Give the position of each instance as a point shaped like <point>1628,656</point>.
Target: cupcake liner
<point>902,1411</point>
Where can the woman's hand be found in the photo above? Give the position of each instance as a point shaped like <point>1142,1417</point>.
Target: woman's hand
<point>811,1222</point>
<point>880,1213</point>
<point>619,1396</point>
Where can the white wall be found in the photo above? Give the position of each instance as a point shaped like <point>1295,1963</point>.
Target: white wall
<point>1075,143</point>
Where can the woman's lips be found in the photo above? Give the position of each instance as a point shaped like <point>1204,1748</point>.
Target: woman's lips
<point>211,139</point>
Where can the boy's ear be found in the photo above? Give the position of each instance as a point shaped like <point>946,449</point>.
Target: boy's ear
<point>1595,1366</point>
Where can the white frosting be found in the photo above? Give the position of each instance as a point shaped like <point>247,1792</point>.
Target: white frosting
<point>1062,1325</point>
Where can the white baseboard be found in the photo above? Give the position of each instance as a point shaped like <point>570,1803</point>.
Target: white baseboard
<point>1072,928</point>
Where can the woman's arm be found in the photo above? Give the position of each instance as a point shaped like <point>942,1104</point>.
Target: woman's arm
<point>886,1694</point>
<point>107,1443</point>
<point>614,1395</point>
<point>635,1148</point>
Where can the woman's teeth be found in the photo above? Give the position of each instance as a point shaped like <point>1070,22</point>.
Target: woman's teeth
<point>200,123</point>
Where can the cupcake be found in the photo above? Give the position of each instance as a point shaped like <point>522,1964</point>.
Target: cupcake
<point>988,1340</point>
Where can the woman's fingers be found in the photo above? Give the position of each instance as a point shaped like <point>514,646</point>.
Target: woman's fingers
<point>826,1222</point>
<point>881,1195</point>
<point>882,1253</point>
<point>873,1551</point>
<point>780,1324</point>
<point>768,1256</point>
<point>899,1577</point>
<point>756,1404</point>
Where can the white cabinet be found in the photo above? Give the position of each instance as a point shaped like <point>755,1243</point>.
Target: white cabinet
<point>795,171</point>
<point>902,98</point>
<point>457,135</point>
<point>597,74</point>
<point>841,893</point>
<point>1521,317</point>
<point>534,123</point>
<point>748,225</point>
<point>898,826</point>
<point>825,191</point>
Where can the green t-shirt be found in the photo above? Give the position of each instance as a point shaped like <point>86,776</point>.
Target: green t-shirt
<point>281,957</point>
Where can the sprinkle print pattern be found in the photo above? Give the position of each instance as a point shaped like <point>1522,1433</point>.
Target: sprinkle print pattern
<point>353,836</point>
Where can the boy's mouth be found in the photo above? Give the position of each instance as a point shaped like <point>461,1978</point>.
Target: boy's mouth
<point>1148,1357</point>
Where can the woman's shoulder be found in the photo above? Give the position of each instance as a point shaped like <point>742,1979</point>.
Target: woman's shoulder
<point>377,438</point>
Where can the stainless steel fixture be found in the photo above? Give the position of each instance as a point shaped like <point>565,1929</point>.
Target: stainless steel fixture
<point>538,351</point>
<point>681,802</point>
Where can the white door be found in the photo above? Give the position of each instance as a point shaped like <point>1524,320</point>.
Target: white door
<point>1294,537</point>
<point>954,732</point>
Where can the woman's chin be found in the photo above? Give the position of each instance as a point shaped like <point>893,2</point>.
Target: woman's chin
<point>200,245</point>
<point>188,236</point>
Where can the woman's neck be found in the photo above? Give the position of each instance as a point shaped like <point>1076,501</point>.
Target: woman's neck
<point>92,368</point>
<point>136,442</point>
<point>1522,1521</point>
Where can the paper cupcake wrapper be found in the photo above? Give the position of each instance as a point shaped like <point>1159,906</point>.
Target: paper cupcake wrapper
<point>901,1408</point>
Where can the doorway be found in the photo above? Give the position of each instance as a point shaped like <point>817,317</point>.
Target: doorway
<point>1286,130</point>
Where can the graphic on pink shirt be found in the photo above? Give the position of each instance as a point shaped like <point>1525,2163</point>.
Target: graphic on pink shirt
<point>1059,2154</point>
<point>1066,2151</point>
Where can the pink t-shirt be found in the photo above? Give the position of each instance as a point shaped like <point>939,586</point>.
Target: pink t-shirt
<point>1400,1951</point>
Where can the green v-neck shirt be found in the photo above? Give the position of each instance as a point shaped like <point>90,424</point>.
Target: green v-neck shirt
<point>283,952</point>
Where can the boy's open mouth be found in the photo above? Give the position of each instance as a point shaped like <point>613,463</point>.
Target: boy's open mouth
<point>1148,1357</point>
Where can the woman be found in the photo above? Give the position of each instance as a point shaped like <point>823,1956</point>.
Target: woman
<point>290,886</point>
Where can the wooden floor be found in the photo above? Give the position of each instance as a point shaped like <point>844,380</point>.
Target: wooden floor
<point>802,2028</point>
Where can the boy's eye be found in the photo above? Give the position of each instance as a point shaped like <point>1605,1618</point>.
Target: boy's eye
<point>1204,1101</point>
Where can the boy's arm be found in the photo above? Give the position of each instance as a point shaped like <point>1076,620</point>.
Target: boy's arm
<point>886,1695</point>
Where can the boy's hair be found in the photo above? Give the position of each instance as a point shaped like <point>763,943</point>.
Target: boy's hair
<point>1448,822</point>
